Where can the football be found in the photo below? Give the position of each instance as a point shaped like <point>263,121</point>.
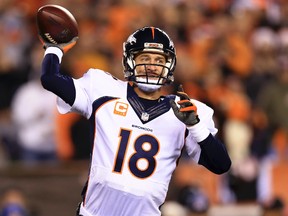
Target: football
<point>56,24</point>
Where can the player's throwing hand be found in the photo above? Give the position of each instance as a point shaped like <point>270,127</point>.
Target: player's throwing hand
<point>65,47</point>
<point>187,112</point>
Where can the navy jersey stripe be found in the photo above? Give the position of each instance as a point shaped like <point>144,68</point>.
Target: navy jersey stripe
<point>96,104</point>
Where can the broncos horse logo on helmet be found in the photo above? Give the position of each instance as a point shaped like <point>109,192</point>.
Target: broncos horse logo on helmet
<point>152,40</point>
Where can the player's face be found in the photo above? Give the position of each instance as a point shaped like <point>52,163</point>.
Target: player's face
<point>150,66</point>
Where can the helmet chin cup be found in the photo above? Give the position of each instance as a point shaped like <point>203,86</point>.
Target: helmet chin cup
<point>148,87</point>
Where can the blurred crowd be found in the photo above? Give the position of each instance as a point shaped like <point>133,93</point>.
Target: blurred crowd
<point>232,55</point>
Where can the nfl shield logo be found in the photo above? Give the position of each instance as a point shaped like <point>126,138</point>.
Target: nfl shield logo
<point>145,116</point>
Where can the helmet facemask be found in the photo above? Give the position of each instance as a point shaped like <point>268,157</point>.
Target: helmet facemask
<point>142,73</point>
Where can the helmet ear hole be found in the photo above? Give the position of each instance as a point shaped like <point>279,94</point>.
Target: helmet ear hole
<point>148,39</point>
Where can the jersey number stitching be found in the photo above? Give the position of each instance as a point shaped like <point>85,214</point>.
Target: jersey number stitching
<point>141,152</point>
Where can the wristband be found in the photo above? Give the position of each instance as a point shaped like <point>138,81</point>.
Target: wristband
<point>54,50</point>
<point>199,131</point>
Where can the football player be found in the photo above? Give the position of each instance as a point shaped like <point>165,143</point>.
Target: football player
<point>137,133</point>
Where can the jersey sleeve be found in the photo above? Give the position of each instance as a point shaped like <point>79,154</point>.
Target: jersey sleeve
<point>92,85</point>
<point>206,116</point>
<point>82,104</point>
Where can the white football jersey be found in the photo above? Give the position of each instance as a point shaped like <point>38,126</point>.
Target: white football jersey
<point>135,150</point>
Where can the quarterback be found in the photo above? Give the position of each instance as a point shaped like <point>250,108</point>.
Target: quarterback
<point>137,133</point>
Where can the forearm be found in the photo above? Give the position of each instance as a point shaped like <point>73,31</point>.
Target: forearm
<point>53,81</point>
<point>214,155</point>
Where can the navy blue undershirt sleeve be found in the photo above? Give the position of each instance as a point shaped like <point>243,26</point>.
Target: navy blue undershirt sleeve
<point>214,155</point>
<point>52,80</point>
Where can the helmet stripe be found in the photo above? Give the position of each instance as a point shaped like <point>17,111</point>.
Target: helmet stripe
<point>153,32</point>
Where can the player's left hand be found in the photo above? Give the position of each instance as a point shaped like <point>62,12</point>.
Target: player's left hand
<point>187,112</point>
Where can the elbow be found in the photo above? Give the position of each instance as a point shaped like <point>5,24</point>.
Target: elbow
<point>217,166</point>
<point>224,168</point>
